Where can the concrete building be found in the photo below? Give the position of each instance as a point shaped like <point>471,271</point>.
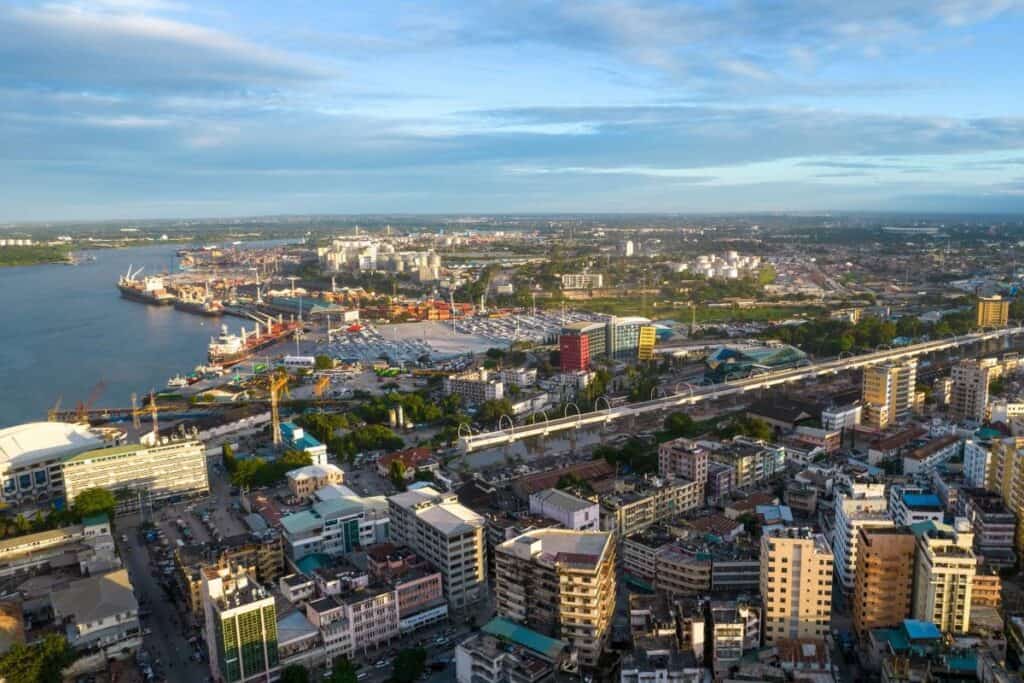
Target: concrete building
<point>446,534</point>
<point>796,584</point>
<point>683,458</point>
<point>582,281</point>
<point>99,612</point>
<point>752,461</point>
<point>338,522</point>
<point>147,474</point>
<point>296,437</point>
<point>944,573</point>
<point>925,458</point>
<point>993,525</point>
<point>840,418</point>
<point>260,557</point>
<point>505,652</point>
<point>475,386</point>
<point>562,584</point>
<point>638,503</point>
<point>977,455</point>
<point>31,455</point>
<point>241,627</point>
<point>1005,476</point>
<point>865,507</point>
<point>992,311</point>
<point>969,394</point>
<point>912,504</point>
<point>888,392</point>
<point>86,544</point>
<point>305,481</point>
<point>580,342</point>
<point>734,627</point>
<point>884,584</point>
<point>566,509</point>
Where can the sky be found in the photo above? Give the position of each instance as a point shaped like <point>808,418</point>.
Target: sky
<point>121,109</point>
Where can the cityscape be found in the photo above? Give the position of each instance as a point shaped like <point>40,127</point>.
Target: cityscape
<point>612,342</point>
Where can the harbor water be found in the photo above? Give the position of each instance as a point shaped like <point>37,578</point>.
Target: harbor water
<point>66,329</point>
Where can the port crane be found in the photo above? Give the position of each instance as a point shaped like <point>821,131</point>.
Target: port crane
<point>82,411</point>
<point>321,385</point>
<point>52,414</point>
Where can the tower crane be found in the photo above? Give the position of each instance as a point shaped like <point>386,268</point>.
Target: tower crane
<point>278,385</point>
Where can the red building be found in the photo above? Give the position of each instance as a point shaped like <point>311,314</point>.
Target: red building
<point>574,352</point>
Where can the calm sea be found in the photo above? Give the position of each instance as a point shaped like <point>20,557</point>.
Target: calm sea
<point>64,329</point>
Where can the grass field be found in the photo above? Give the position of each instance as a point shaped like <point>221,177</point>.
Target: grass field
<point>705,314</point>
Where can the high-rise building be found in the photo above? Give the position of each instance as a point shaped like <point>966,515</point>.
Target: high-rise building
<point>1005,476</point>
<point>969,394</point>
<point>888,392</point>
<point>884,585</point>
<point>447,534</point>
<point>796,584</point>
<point>147,474</point>
<point>943,575</point>
<point>683,458</point>
<point>865,507</point>
<point>992,311</point>
<point>241,626</point>
<point>562,584</point>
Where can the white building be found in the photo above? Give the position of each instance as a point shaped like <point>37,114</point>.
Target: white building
<point>31,455</point>
<point>944,571</point>
<point>338,522</point>
<point>867,507</point>
<point>838,418</point>
<point>99,612</point>
<point>912,504</point>
<point>568,510</point>
<point>520,377</point>
<point>977,456</point>
<point>582,281</point>
<point>475,386</point>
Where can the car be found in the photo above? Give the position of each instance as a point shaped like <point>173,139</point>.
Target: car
<point>380,663</point>
<point>361,675</point>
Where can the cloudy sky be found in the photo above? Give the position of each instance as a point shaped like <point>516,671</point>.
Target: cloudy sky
<point>160,108</point>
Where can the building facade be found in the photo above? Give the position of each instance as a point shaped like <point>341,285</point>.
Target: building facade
<point>969,394</point>
<point>796,584</point>
<point>888,393</point>
<point>884,584</point>
<point>944,573</point>
<point>241,627</point>
<point>992,311</point>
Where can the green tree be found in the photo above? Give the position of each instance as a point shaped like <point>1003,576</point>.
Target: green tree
<point>227,456</point>
<point>491,411</point>
<point>38,663</point>
<point>343,671</point>
<point>246,472</point>
<point>95,501</point>
<point>409,664</point>
<point>322,362</point>
<point>679,424</point>
<point>294,674</point>
<point>396,473</point>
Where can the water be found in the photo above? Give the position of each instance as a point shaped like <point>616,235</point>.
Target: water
<point>66,328</point>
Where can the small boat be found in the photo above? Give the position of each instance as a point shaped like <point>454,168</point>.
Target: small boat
<point>177,382</point>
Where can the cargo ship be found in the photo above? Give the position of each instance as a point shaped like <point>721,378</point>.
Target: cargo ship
<point>210,308</point>
<point>148,290</point>
<point>230,349</point>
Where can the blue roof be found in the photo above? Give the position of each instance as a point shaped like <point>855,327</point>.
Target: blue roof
<point>528,638</point>
<point>287,429</point>
<point>922,500</point>
<point>311,563</point>
<point>306,442</point>
<point>921,630</point>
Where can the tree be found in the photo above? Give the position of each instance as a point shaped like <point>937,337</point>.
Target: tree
<point>322,362</point>
<point>246,472</point>
<point>491,411</point>
<point>39,663</point>
<point>294,674</point>
<point>95,501</point>
<point>409,664</point>
<point>343,671</point>
<point>227,456</point>
<point>396,473</point>
<point>679,424</point>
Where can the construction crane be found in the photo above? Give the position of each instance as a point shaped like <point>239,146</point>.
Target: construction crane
<point>321,385</point>
<point>52,415</point>
<point>82,411</point>
<point>278,386</point>
<point>136,413</point>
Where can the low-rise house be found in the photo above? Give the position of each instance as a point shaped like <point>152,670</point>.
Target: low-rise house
<point>305,481</point>
<point>99,612</point>
<point>566,509</point>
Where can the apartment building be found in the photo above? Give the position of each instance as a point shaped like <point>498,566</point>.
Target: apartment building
<point>888,392</point>
<point>446,534</point>
<point>993,525</point>
<point>475,386</point>
<point>639,502</point>
<point>262,558</point>
<point>338,522</point>
<point>82,543</point>
<point>865,507</point>
<point>562,584</point>
<point>683,458</point>
<point>884,585</point>
<point>752,461</point>
<point>241,627</point>
<point>992,311</point>
<point>305,481</point>
<point>944,572</point>
<point>505,652</point>
<point>1005,476</point>
<point>969,394</point>
<point>977,454</point>
<point>582,280</point>
<point>145,474</point>
<point>912,504</point>
<point>796,584</point>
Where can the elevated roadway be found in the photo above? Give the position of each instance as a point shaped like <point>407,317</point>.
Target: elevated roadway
<point>695,394</point>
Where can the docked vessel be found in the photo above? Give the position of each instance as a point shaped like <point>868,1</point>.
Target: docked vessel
<point>230,349</point>
<point>177,382</point>
<point>210,307</point>
<point>148,290</point>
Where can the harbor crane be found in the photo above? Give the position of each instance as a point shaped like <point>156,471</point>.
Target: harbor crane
<point>153,413</point>
<point>82,411</point>
<point>52,414</point>
<point>321,385</point>
<point>136,413</point>
<point>278,385</point>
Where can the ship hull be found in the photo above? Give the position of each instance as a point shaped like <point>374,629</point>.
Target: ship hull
<point>228,359</point>
<point>198,309</point>
<point>142,297</point>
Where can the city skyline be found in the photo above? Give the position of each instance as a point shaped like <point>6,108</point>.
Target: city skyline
<point>152,108</point>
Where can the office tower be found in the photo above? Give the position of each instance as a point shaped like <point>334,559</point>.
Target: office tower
<point>1005,476</point>
<point>562,584</point>
<point>943,574</point>
<point>884,584</point>
<point>796,584</point>
<point>888,392</point>
<point>446,533</point>
<point>969,394</point>
<point>241,626</point>
<point>992,311</point>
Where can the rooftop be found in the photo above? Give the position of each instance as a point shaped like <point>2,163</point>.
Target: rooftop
<point>528,638</point>
<point>562,500</point>
<point>96,598</point>
<point>33,442</point>
<point>560,546</point>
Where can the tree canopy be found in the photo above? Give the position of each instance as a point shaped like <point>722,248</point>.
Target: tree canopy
<point>95,501</point>
<point>409,664</point>
<point>38,663</point>
<point>294,673</point>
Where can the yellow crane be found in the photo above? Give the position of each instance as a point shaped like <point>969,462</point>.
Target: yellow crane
<point>52,415</point>
<point>136,413</point>
<point>321,386</point>
<point>153,412</point>
<point>278,386</point>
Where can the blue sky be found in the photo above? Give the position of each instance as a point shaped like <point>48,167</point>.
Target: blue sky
<point>160,108</point>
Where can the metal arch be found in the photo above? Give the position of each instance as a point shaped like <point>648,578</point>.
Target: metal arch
<point>608,404</point>
<point>579,415</point>
<point>840,357</point>
<point>654,392</point>
<point>533,417</point>
<point>689,386</point>
<point>511,423</point>
<point>469,429</point>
